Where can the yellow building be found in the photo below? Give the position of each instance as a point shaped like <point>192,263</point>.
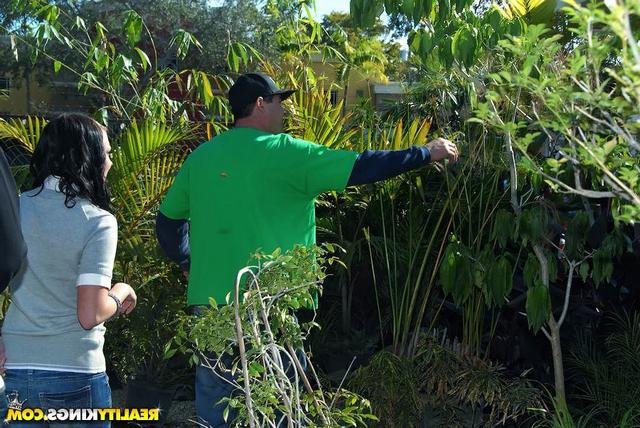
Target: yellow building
<point>20,98</point>
<point>358,86</point>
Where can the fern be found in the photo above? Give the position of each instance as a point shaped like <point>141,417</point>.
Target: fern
<point>607,375</point>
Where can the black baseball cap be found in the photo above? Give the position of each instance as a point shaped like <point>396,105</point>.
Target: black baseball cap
<point>248,87</point>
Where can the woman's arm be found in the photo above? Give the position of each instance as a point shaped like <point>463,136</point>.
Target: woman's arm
<point>97,304</point>
<point>97,301</point>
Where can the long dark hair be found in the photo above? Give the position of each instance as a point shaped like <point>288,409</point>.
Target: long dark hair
<point>71,147</point>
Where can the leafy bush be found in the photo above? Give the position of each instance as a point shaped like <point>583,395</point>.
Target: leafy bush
<point>261,331</point>
<point>443,386</point>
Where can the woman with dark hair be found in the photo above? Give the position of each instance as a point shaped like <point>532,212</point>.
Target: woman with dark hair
<point>53,332</point>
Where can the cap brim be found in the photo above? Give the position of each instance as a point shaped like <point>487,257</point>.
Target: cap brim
<point>285,93</point>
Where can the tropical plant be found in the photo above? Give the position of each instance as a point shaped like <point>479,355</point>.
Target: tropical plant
<point>581,155</point>
<point>473,272</point>
<point>21,136</point>
<point>389,381</point>
<point>604,373</point>
<point>135,344</point>
<point>531,11</point>
<point>443,386</point>
<point>405,245</point>
<point>146,157</point>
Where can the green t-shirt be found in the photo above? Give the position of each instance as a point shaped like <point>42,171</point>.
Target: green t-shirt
<point>247,190</point>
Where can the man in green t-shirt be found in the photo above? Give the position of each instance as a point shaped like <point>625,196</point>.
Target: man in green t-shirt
<point>254,187</point>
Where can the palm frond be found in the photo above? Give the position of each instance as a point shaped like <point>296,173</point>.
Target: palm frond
<point>316,119</point>
<point>146,158</point>
<point>23,133</point>
<point>532,11</point>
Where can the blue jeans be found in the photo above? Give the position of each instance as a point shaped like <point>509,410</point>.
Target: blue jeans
<point>3,402</point>
<point>47,389</point>
<point>212,387</point>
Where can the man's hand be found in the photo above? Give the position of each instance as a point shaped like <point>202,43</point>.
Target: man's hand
<point>441,148</point>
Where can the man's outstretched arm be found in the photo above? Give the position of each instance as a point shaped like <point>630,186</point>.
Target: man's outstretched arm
<point>378,165</point>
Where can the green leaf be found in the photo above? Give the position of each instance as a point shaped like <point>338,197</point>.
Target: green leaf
<point>365,12</point>
<point>49,13</point>
<point>225,413</point>
<point>461,4</point>
<point>531,272</point>
<point>541,11</point>
<point>602,267</point>
<point>499,283</point>
<point>444,52</point>
<point>463,46</point>
<point>503,227</point>
<point>583,271</point>
<point>237,56</point>
<point>183,41</point>
<point>456,271</point>
<point>533,224</point>
<point>56,66</point>
<point>132,27</point>
<point>407,8</point>
<point>444,9</point>
<point>448,268</point>
<point>515,27</point>
<point>538,306</point>
<point>391,7</point>
<point>533,11</point>
<point>144,59</point>
<point>419,10</point>
<point>576,235</point>
<point>426,43</point>
<point>80,24</point>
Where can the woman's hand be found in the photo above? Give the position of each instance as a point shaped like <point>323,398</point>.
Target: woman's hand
<point>126,294</point>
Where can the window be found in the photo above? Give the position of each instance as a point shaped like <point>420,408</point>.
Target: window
<point>359,93</point>
<point>334,98</point>
<point>5,84</point>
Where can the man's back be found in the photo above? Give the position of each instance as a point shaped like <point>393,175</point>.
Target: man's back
<point>247,190</point>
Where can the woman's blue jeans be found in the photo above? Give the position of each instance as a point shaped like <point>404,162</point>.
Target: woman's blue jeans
<point>48,389</point>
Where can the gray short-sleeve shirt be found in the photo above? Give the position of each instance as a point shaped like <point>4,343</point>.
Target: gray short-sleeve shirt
<point>67,247</point>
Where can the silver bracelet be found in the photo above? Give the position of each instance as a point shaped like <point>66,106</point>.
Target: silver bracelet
<point>118,302</point>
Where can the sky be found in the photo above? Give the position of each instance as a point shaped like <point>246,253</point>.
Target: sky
<point>324,7</point>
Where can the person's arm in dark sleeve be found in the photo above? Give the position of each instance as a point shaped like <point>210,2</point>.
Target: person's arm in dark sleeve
<point>13,249</point>
<point>173,237</point>
<point>378,165</point>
